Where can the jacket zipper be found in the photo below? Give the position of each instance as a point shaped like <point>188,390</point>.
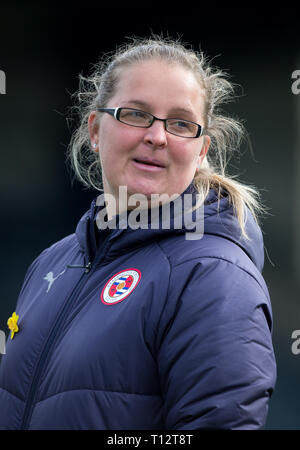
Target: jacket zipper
<point>52,337</point>
<point>87,267</point>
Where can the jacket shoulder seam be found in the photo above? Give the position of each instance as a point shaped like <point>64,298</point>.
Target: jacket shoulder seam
<point>164,253</point>
<point>199,258</point>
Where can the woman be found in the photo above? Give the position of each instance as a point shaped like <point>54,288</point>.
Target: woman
<point>134,327</point>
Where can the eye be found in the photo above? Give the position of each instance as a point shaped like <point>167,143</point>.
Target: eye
<point>181,124</point>
<point>135,117</point>
<point>134,114</point>
<point>140,114</point>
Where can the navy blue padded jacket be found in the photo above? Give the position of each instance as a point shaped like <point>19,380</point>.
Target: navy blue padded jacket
<point>143,329</point>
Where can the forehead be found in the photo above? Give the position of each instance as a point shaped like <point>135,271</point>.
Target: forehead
<point>160,83</point>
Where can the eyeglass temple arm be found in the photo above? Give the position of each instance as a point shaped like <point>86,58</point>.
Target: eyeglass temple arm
<point>112,111</point>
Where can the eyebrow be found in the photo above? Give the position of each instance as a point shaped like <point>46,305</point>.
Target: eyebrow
<point>176,110</point>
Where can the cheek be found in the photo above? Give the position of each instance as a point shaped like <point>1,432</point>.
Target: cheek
<point>185,156</point>
<point>109,147</point>
<point>117,141</point>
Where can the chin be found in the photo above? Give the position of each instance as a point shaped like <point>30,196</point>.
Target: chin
<point>144,189</point>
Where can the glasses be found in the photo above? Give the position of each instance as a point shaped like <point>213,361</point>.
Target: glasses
<point>142,119</point>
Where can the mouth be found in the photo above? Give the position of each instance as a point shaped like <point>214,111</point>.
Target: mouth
<point>148,164</point>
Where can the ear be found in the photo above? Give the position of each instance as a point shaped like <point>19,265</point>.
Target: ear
<point>93,127</point>
<point>204,150</point>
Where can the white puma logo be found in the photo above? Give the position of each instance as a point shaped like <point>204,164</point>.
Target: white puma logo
<point>50,278</point>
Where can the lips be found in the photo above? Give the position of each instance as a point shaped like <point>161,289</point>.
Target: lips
<point>150,162</point>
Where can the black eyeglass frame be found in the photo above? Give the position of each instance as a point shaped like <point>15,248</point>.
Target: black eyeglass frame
<point>115,112</point>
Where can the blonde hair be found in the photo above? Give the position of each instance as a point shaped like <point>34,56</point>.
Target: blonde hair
<point>226,133</point>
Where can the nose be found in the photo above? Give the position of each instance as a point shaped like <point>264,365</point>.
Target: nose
<point>156,135</point>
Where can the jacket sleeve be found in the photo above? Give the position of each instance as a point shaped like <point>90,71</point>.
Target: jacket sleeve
<point>215,355</point>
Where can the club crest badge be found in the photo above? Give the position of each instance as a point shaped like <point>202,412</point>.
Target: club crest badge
<point>120,286</point>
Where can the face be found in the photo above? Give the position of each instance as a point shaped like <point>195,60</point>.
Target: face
<point>151,160</point>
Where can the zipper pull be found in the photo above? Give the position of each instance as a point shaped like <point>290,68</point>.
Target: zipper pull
<point>87,267</point>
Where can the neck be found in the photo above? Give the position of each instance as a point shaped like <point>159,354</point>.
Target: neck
<point>118,204</point>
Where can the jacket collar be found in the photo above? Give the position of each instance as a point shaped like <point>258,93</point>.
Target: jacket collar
<point>219,220</point>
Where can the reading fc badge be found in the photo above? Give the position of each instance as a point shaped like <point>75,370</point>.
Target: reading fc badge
<point>120,286</point>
